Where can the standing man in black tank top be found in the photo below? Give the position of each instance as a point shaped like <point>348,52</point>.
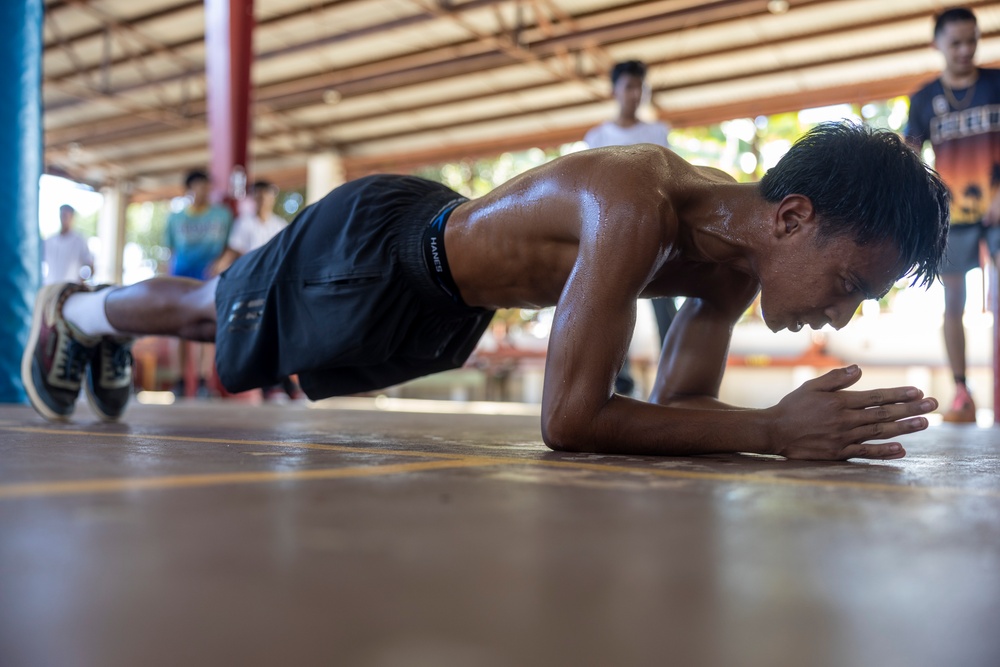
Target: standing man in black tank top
<point>959,113</point>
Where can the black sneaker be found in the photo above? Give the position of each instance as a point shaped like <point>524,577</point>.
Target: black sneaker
<point>109,377</point>
<point>56,355</point>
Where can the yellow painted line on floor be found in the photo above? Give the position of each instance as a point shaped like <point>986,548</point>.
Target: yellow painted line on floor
<point>473,460</point>
<point>116,485</point>
<point>231,441</point>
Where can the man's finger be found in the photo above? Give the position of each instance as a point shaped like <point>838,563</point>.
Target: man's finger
<point>874,397</point>
<point>894,411</point>
<point>880,430</point>
<point>838,378</point>
<point>882,451</point>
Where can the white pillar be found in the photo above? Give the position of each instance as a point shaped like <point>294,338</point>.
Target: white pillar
<point>111,232</point>
<point>324,172</point>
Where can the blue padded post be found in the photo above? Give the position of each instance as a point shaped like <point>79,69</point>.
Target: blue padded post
<point>20,169</point>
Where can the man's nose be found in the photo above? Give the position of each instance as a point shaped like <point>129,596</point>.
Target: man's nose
<point>840,315</point>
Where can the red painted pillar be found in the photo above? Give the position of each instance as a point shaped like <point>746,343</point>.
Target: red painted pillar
<point>228,53</point>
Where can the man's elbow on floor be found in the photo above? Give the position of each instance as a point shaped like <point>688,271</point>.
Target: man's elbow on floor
<point>561,435</point>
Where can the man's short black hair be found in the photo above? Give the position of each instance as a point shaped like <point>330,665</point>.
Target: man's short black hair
<point>632,67</point>
<point>953,15</point>
<point>871,186</point>
<point>264,185</point>
<point>193,177</point>
<point>66,207</point>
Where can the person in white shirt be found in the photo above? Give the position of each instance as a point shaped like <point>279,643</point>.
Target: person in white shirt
<point>628,86</point>
<point>66,257</point>
<point>251,231</point>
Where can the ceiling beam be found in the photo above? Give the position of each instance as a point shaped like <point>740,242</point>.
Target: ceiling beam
<point>133,21</point>
<point>671,115</point>
<point>445,56</point>
<point>294,138</point>
<point>277,98</point>
<point>667,114</point>
<point>357,166</point>
<point>272,22</point>
<point>434,64</point>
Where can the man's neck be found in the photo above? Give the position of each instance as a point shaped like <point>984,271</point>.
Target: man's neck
<point>959,80</point>
<point>724,220</point>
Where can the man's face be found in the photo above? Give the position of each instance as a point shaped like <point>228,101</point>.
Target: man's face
<point>628,92</point>
<point>264,200</point>
<point>812,283</point>
<point>199,191</point>
<point>66,216</point>
<point>957,43</point>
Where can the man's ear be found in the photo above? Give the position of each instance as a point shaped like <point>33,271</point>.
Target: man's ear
<point>795,215</point>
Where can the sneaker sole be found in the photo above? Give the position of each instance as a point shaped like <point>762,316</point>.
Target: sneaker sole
<point>29,355</point>
<point>92,402</point>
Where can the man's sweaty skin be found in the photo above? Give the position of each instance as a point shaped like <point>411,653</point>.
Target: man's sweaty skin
<point>591,232</point>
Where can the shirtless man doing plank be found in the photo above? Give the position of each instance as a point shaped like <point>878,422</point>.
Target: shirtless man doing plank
<point>393,277</point>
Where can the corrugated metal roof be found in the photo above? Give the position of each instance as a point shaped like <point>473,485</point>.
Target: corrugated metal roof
<point>395,83</point>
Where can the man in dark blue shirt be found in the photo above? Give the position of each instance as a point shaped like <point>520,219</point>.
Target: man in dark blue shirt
<point>959,113</point>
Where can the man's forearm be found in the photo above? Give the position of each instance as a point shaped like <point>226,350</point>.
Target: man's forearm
<point>698,403</point>
<point>628,426</point>
<point>820,420</point>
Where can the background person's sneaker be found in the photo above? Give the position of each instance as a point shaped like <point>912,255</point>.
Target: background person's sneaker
<point>56,355</point>
<point>109,377</point>
<point>963,409</point>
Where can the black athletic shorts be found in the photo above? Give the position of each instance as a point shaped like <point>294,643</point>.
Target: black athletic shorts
<point>961,255</point>
<point>344,298</point>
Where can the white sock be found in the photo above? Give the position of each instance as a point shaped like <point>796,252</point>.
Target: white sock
<point>85,311</point>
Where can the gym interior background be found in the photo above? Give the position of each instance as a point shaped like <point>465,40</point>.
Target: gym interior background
<point>428,524</point>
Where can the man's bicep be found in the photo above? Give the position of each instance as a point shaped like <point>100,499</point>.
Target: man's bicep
<point>595,317</point>
<point>587,345</point>
<point>621,244</point>
<point>594,320</point>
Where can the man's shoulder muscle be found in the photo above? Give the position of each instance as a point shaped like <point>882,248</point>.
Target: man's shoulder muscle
<point>597,171</point>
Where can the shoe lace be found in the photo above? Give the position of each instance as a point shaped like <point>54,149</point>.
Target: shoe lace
<point>73,360</point>
<point>118,359</point>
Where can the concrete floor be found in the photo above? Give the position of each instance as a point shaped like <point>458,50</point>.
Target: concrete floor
<point>227,534</point>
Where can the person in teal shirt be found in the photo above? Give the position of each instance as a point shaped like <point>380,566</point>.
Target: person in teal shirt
<point>197,235</point>
<point>197,238</point>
